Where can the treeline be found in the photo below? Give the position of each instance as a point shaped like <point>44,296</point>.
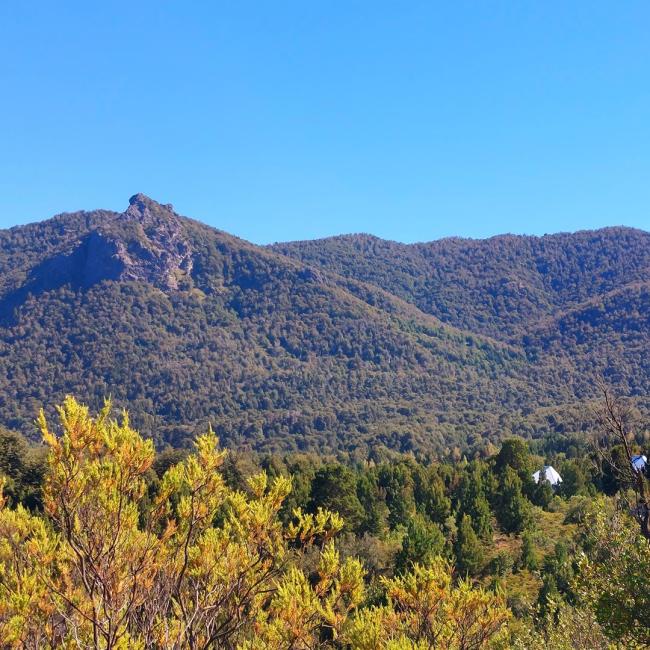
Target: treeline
<point>108,545</point>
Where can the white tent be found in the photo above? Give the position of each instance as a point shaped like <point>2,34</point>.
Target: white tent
<point>550,474</point>
<point>639,463</point>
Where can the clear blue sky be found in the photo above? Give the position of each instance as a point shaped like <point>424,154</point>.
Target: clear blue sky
<point>291,120</point>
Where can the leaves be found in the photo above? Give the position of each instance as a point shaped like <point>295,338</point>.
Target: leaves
<point>200,564</point>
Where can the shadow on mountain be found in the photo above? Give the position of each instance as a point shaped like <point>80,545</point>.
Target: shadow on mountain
<point>94,260</point>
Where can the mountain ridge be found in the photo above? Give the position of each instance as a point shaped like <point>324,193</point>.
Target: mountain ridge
<point>295,346</point>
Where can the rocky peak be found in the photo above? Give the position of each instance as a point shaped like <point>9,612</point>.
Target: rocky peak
<point>144,208</point>
<point>148,242</point>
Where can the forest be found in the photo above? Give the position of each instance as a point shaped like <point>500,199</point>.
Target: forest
<point>106,543</point>
<point>352,347</point>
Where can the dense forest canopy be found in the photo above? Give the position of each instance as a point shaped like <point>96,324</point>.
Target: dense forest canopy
<point>348,346</point>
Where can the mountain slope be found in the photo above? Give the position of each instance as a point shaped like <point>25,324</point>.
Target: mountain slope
<point>187,325</point>
<point>575,304</point>
<point>499,287</point>
<point>350,344</point>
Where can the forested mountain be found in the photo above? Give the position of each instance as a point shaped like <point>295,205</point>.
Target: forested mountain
<point>577,305</point>
<point>500,287</point>
<point>340,345</point>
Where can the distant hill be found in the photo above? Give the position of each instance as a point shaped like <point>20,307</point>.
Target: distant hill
<point>577,305</point>
<point>350,344</point>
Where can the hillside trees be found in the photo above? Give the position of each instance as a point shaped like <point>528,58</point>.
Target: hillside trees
<point>194,563</point>
<point>22,467</point>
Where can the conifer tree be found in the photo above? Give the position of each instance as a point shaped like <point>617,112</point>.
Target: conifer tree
<point>422,542</point>
<point>528,558</point>
<point>513,509</point>
<point>468,550</point>
<point>472,501</point>
<point>335,488</point>
<point>542,493</point>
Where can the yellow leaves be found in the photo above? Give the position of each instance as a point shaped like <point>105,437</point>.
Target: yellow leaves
<point>202,562</point>
<point>27,553</point>
<point>351,582</point>
<point>207,454</point>
<point>426,608</point>
<point>300,613</point>
<point>275,493</point>
<point>258,483</point>
<point>307,527</point>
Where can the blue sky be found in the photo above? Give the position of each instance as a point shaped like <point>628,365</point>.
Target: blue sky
<point>293,120</point>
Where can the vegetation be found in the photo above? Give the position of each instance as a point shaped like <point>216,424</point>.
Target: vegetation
<point>196,564</point>
<point>351,347</point>
<point>115,546</point>
<point>384,408</point>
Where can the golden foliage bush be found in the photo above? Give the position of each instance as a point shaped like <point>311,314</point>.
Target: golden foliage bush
<point>200,565</point>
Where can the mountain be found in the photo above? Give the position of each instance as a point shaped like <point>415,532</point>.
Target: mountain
<point>499,287</point>
<point>347,345</point>
<point>575,304</point>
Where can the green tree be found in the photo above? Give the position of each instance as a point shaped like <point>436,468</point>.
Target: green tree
<point>396,482</point>
<point>375,520</point>
<point>513,509</point>
<point>430,494</point>
<point>24,467</point>
<point>528,558</point>
<point>515,454</point>
<point>549,597</point>
<point>574,479</point>
<point>542,493</point>
<point>467,548</point>
<point>559,564</point>
<point>471,498</point>
<point>423,541</point>
<point>334,488</point>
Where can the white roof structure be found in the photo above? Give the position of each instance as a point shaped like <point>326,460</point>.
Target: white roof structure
<point>550,474</point>
<point>639,463</point>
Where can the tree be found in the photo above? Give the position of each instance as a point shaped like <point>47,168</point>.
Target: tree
<point>335,488</point>
<point>542,493</point>
<point>302,614</point>
<point>549,596</point>
<point>514,453</point>
<point>559,565</point>
<point>396,483</point>
<point>430,494</point>
<point>375,519</point>
<point>528,557</point>
<point>467,548</point>
<point>92,489</point>
<point>422,542</point>
<point>28,556</point>
<point>186,571</point>
<point>574,479</point>
<point>23,467</point>
<point>513,509</point>
<point>425,610</point>
<point>612,575</point>
<point>472,500</point>
<point>614,448</point>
